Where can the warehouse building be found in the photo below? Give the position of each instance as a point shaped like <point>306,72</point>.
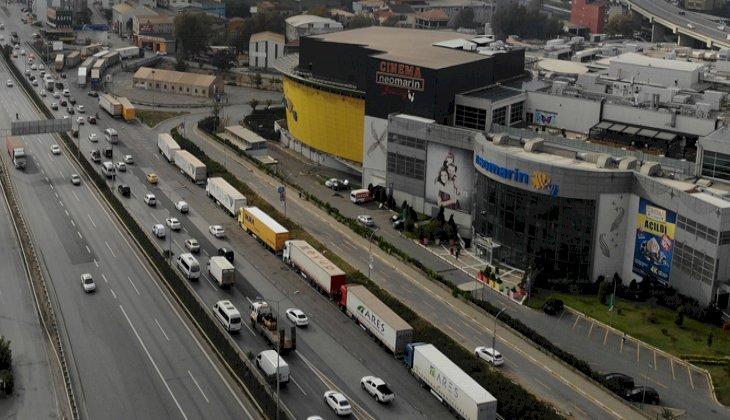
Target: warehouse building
<point>191,84</point>
<point>264,48</point>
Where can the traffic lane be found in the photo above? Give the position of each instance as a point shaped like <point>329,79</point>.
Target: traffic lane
<point>19,323</point>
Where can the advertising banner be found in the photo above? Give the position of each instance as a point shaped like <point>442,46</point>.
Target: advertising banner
<point>654,245</point>
<point>449,178</point>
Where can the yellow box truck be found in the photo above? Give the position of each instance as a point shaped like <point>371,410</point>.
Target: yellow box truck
<point>262,227</point>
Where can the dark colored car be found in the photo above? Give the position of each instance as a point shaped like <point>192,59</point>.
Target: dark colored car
<point>124,190</point>
<point>619,383</point>
<point>92,119</point>
<point>399,224</point>
<point>63,102</point>
<point>108,153</point>
<point>63,75</point>
<point>225,252</point>
<point>72,100</point>
<point>75,132</point>
<point>553,306</point>
<point>645,394</point>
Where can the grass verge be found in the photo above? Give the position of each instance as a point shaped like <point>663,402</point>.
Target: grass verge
<point>721,381</point>
<point>152,118</point>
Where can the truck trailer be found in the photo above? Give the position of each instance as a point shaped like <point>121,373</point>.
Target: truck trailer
<point>264,228</point>
<point>322,273</point>
<point>222,271</point>
<point>16,151</point>
<point>263,319</point>
<point>129,112</point>
<point>128,52</point>
<point>377,318</point>
<point>191,166</point>
<point>167,146</point>
<point>109,104</point>
<point>73,59</point>
<point>59,62</point>
<point>449,383</point>
<point>225,195</point>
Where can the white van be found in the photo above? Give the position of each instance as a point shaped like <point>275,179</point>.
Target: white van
<point>111,135</point>
<point>361,196</point>
<point>228,315</point>
<point>266,361</point>
<point>188,265</point>
<point>107,168</point>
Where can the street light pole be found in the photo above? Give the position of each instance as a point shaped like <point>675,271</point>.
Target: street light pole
<point>153,89</point>
<point>370,251</point>
<point>278,346</point>
<point>494,332</point>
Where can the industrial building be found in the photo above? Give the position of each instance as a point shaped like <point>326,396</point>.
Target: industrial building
<point>191,84</point>
<point>264,48</point>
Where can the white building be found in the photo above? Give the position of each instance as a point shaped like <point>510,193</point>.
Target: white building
<point>671,73</point>
<point>306,25</point>
<point>264,48</point>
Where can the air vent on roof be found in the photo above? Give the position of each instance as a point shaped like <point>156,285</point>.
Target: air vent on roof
<point>703,182</point>
<point>534,145</point>
<point>628,163</point>
<point>651,169</point>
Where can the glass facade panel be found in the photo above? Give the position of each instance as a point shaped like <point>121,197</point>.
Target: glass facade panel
<point>469,117</point>
<point>515,113</point>
<point>556,231</point>
<point>716,165</point>
<point>499,116</point>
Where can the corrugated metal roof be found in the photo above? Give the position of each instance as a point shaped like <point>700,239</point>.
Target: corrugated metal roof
<point>169,76</point>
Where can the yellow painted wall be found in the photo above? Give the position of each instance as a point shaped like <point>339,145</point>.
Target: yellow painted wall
<point>326,121</point>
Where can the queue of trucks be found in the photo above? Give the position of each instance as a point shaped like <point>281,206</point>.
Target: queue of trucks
<point>322,273</point>
<point>109,104</point>
<point>167,146</point>
<point>225,195</point>
<point>264,228</point>
<point>190,166</point>
<point>129,112</point>
<point>16,151</point>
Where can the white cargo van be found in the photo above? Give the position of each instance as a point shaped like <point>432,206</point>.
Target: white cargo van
<point>266,361</point>
<point>228,315</point>
<point>107,168</point>
<point>188,265</point>
<point>361,196</point>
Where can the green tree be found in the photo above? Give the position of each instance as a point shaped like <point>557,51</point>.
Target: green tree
<point>192,31</point>
<point>180,63</point>
<point>465,18</point>
<point>83,17</point>
<point>321,11</point>
<point>530,24</point>
<point>361,21</point>
<point>108,15</point>
<point>222,60</point>
<point>6,354</point>
<point>254,103</point>
<point>602,291</point>
<point>237,8</point>
<point>391,21</point>
<point>261,22</point>
<point>6,378</point>
<point>623,25</point>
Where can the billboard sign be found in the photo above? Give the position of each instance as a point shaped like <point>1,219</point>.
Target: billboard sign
<point>654,245</point>
<point>399,75</point>
<point>446,186</point>
<point>549,119</point>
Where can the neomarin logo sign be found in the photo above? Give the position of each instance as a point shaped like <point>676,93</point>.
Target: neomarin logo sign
<point>372,318</point>
<point>399,75</point>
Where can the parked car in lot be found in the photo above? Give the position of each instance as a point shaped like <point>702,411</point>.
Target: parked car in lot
<point>553,306</point>
<point>490,355</point>
<point>619,383</point>
<point>366,220</point>
<point>338,403</point>
<point>297,317</point>
<point>645,394</point>
<point>377,388</point>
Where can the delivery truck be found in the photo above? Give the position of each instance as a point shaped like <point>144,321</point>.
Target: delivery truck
<point>16,151</point>
<point>264,320</point>
<point>109,104</point>
<point>58,63</point>
<point>167,146</point>
<point>322,273</point>
<point>128,52</point>
<point>225,195</point>
<point>377,318</point>
<point>73,59</point>
<point>129,112</point>
<point>451,385</point>
<point>190,166</point>
<point>264,228</point>
<point>222,271</point>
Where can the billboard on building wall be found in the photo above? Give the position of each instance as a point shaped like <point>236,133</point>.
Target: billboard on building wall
<point>449,177</point>
<point>549,119</point>
<point>654,245</point>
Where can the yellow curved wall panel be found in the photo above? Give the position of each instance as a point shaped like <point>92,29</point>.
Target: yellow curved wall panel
<point>326,121</point>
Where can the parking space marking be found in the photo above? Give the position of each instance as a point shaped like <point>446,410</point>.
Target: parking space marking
<point>649,378</point>
<point>605,337</point>
<point>671,363</point>
<point>655,360</point>
<point>591,328</point>
<point>577,318</point>
<point>691,382</point>
<point>638,350</point>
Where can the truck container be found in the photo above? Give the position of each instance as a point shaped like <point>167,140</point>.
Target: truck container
<point>58,63</point>
<point>129,112</point>
<point>324,275</point>
<point>95,78</point>
<point>89,50</point>
<point>109,104</point>
<point>222,271</point>
<point>111,58</point>
<point>128,52</point>
<point>84,71</point>
<point>449,383</point>
<point>225,195</point>
<point>263,319</point>
<point>384,324</point>
<point>49,84</point>
<point>191,166</point>
<point>262,227</point>
<point>16,151</point>
<point>73,59</point>
<point>270,362</point>
<point>167,146</point>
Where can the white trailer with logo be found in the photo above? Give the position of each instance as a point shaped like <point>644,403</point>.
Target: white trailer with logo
<point>167,146</point>
<point>224,194</point>
<point>379,320</point>
<point>192,167</point>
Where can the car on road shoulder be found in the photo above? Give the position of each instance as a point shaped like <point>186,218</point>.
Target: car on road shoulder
<point>338,403</point>
<point>56,149</point>
<point>217,231</point>
<point>75,179</point>
<point>192,245</point>
<point>87,283</point>
<point>490,355</point>
<point>182,206</point>
<point>377,388</point>
<point>150,200</point>
<point>297,317</point>
<point>645,394</point>
<point>173,223</point>
<point>366,220</point>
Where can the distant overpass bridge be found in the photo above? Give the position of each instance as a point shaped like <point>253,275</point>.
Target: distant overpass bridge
<point>688,26</point>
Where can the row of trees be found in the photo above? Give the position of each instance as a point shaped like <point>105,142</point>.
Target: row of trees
<point>6,365</point>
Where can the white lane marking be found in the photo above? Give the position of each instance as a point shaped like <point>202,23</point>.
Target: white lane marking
<point>46,179</point>
<point>297,384</point>
<point>77,197</point>
<point>87,249</point>
<point>163,331</point>
<point>73,223</point>
<point>206,253</point>
<point>110,249</point>
<point>104,277</point>
<point>91,220</point>
<point>113,294</point>
<point>61,173</point>
<point>153,216</point>
<point>96,263</point>
<point>132,283</point>
<point>66,211</point>
<point>52,187</point>
<point>199,388</point>
<point>149,356</point>
<point>56,194</point>
<point>61,203</point>
<point>79,233</point>
<point>209,281</point>
<point>185,230</point>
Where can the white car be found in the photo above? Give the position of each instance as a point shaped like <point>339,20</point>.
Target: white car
<point>192,245</point>
<point>297,317</point>
<point>490,355</point>
<point>182,206</point>
<point>43,93</point>
<point>93,137</point>
<point>80,109</point>
<point>338,403</point>
<point>150,199</point>
<point>80,121</point>
<point>377,388</point>
<point>9,83</point>
<point>217,231</point>
<point>121,167</point>
<point>75,179</point>
<point>158,230</point>
<point>56,94</point>
<point>366,220</point>
<point>22,52</point>
<point>87,282</point>
<point>34,82</point>
<point>40,67</point>
<point>56,149</point>
<point>33,67</point>
<point>173,223</point>
<point>128,159</point>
